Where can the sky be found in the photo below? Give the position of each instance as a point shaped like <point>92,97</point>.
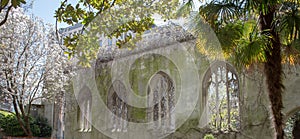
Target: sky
<point>45,9</point>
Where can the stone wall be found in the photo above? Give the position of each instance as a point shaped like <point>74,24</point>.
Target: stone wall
<point>186,66</point>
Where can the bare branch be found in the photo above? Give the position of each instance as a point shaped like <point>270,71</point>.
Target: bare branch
<point>6,15</point>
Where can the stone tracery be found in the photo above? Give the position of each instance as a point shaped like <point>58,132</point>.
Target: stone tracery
<point>85,112</point>
<point>116,102</point>
<point>161,99</point>
<point>221,97</point>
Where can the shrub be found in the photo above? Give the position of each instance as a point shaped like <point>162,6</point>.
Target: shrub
<point>209,136</point>
<point>42,124</point>
<point>39,127</point>
<point>10,126</point>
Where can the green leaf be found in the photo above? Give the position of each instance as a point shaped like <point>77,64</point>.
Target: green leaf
<point>4,3</point>
<point>14,3</point>
<point>23,1</point>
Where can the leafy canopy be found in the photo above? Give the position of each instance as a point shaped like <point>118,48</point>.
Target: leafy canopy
<point>110,18</point>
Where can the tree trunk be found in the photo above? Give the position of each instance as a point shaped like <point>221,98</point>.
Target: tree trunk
<point>273,69</point>
<point>19,117</point>
<point>27,121</point>
<point>23,120</point>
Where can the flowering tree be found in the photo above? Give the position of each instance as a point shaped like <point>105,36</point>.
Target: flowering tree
<point>30,58</point>
<point>6,6</point>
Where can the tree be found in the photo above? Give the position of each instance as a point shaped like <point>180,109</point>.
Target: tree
<point>263,44</point>
<point>277,29</point>
<point>110,18</point>
<point>6,7</point>
<point>30,56</point>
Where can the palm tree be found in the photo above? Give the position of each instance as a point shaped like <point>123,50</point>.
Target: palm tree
<point>275,32</point>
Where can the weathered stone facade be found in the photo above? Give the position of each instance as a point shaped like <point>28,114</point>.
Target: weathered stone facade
<point>178,58</point>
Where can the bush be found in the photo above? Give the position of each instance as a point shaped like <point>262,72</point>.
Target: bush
<point>209,136</point>
<point>39,127</point>
<point>1,120</point>
<point>42,124</point>
<point>10,126</point>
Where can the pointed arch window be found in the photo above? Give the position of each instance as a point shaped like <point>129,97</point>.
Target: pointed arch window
<point>161,103</point>
<point>221,97</point>
<point>85,110</point>
<point>116,103</point>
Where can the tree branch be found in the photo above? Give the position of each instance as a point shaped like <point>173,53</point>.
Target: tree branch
<point>6,16</point>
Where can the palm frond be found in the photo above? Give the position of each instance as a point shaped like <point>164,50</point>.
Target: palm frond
<point>250,52</point>
<point>288,22</point>
<point>251,47</point>
<point>214,12</point>
<point>291,53</point>
<point>228,36</point>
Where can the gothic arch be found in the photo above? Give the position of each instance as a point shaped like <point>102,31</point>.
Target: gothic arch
<point>161,102</point>
<point>85,109</point>
<point>221,97</point>
<point>292,123</point>
<point>116,102</point>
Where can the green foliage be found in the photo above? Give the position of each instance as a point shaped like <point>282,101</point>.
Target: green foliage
<point>1,116</point>
<point>251,46</point>
<point>4,113</point>
<point>42,124</point>
<point>110,18</point>
<point>217,13</point>
<point>276,28</point>
<point>10,125</point>
<point>15,3</point>
<point>228,36</point>
<point>209,136</point>
<point>206,43</point>
<point>236,25</point>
